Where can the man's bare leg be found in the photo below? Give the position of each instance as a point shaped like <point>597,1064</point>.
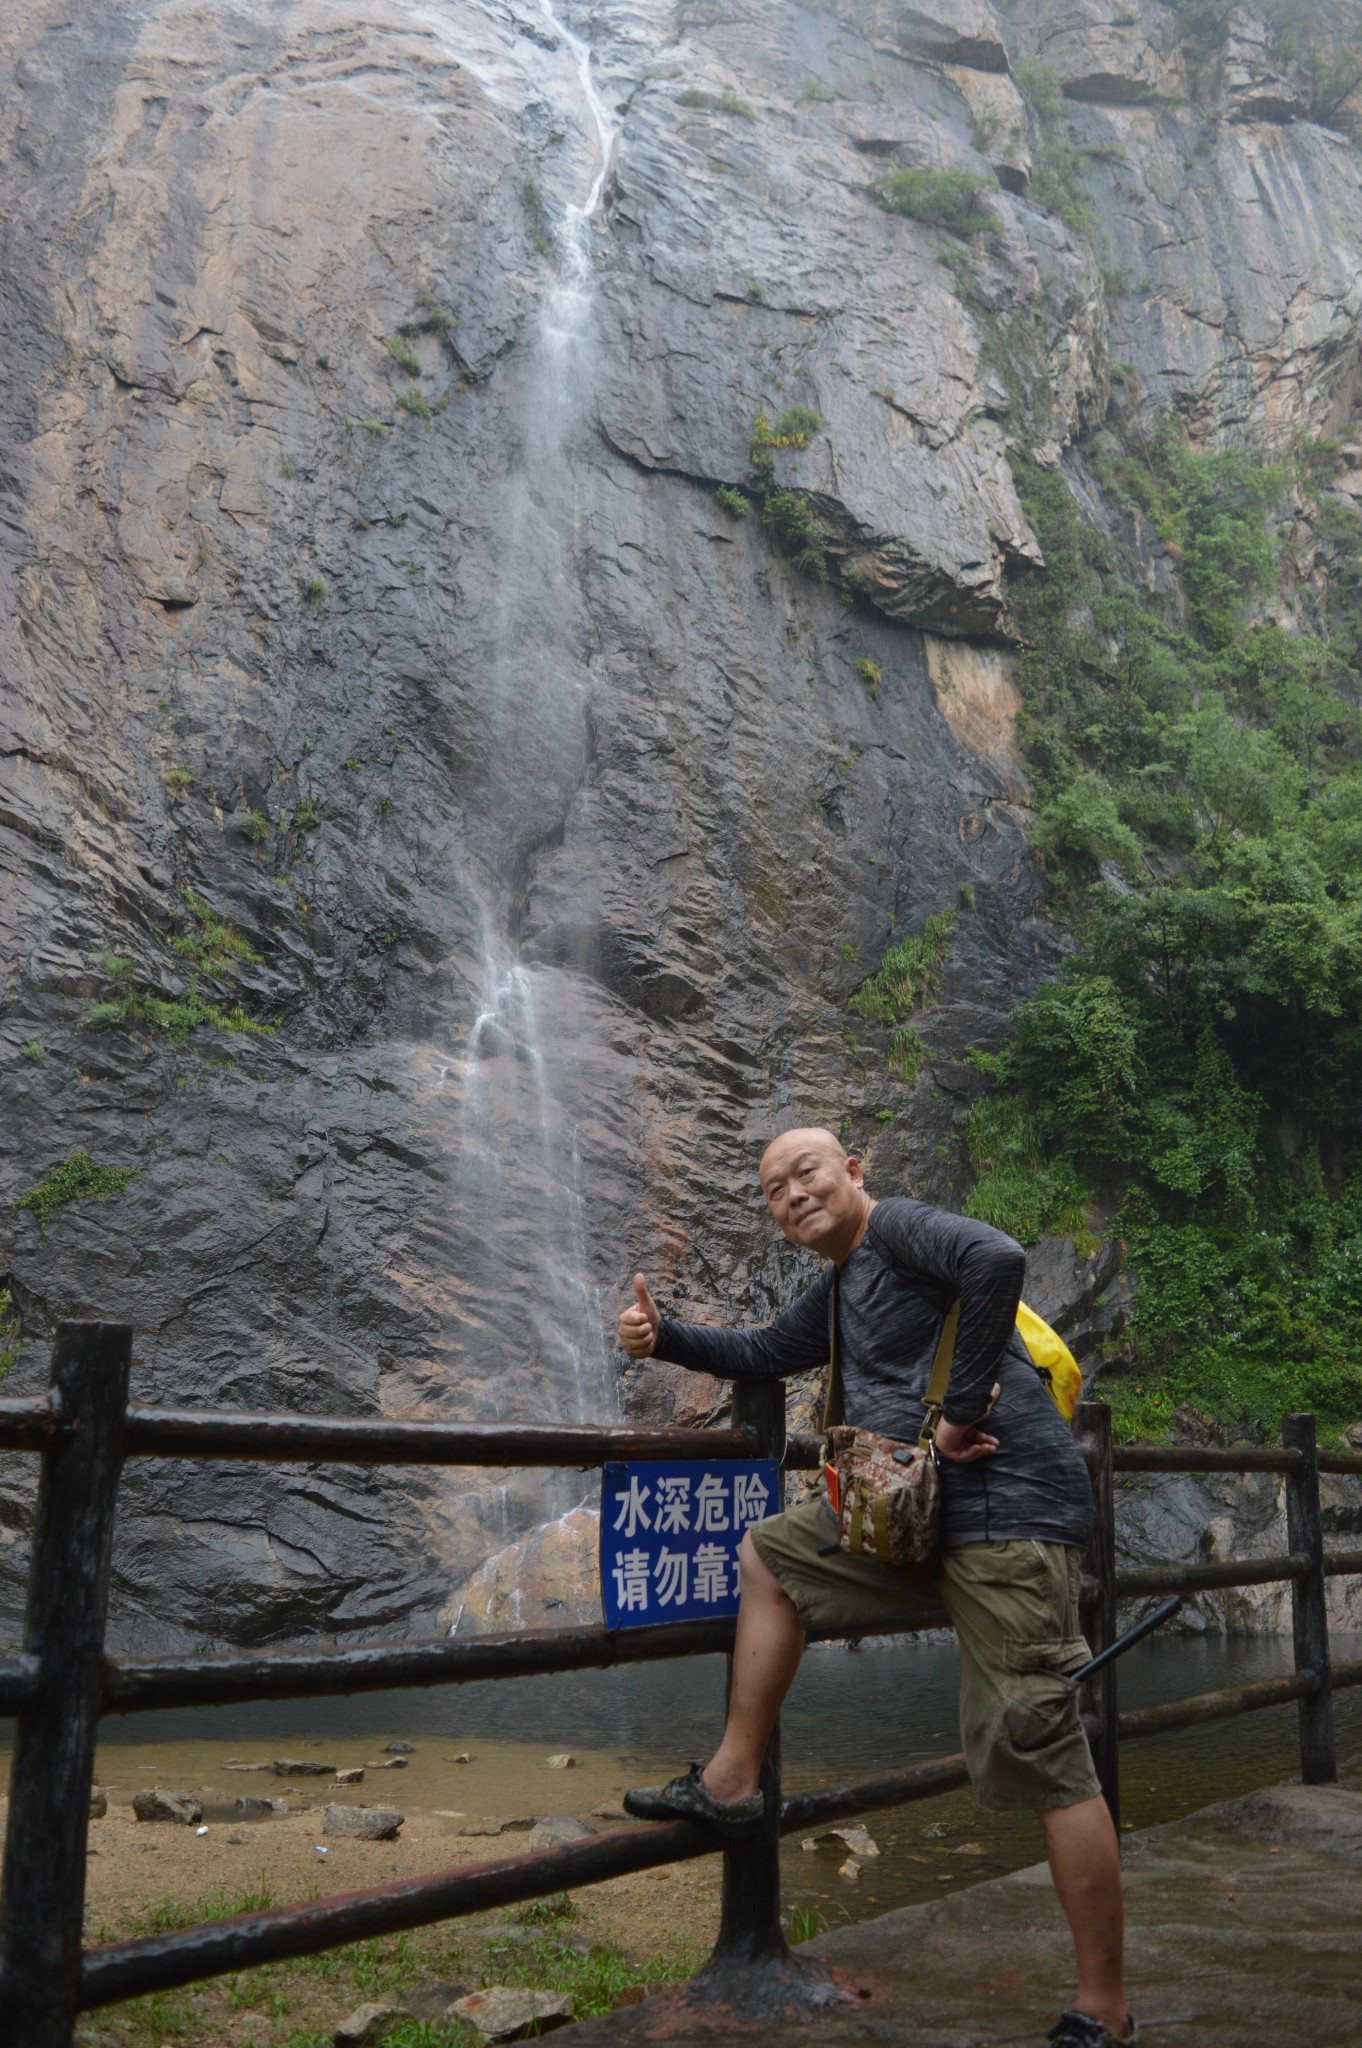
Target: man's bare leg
<point>766,1654</point>
<point>1085,1863</point>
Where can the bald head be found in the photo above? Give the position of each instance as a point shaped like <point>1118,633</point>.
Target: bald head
<point>815,1192</point>
<point>811,1139</point>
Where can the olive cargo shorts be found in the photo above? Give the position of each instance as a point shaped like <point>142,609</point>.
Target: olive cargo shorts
<point>1015,1610</point>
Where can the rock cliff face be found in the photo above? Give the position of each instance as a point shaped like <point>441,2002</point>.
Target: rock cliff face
<point>367,600</point>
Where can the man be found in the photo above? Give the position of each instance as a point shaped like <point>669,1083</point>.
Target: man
<point>1016,1511</point>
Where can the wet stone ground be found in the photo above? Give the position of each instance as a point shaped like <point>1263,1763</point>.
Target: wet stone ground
<point>1243,1926</point>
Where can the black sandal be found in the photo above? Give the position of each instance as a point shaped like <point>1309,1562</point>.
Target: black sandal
<point>1081,2030</point>
<point>689,1798</point>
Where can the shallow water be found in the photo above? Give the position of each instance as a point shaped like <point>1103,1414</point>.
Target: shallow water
<point>849,1714</point>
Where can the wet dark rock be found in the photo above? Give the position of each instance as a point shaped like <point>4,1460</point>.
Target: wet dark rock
<point>300,1767</point>
<point>156,1805</point>
<point>363,1823</point>
<point>399,1749</point>
<point>511,684</point>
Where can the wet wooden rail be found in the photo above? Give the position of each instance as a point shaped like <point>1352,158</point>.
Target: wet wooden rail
<point>63,1680</point>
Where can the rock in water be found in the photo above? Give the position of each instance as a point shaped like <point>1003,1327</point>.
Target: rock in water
<point>859,1841</point>
<point>364,1823</point>
<point>298,1767</point>
<point>367,2025</point>
<point>159,1805</point>
<point>99,1802</point>
<point>562,1762</point>
<point>506,2013</point>
<point>354,1776</point>
<point>399,1749</point>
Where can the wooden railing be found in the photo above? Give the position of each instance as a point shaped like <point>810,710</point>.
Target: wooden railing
<point>64,1680</point>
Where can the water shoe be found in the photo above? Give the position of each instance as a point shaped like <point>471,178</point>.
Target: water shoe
<point>689,1798</point>
<point>1080,2030</point>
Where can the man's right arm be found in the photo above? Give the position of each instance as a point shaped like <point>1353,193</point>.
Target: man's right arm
<point>795,1342</point>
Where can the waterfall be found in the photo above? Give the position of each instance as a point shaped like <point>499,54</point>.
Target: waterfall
<point>524,1212</point>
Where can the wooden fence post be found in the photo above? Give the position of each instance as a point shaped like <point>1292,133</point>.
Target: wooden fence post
<point>42,1895</point>
<point>1093,1427</point>
<point>752,1972</point>
<point>1309,1612</point>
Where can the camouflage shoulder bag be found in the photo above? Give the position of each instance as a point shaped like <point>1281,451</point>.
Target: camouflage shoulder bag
<point>886,1494</point>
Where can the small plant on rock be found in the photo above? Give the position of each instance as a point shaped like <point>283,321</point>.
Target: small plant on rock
<point>403,354</point>
<point>725,102</point>
<point>951,200</point>
<point>255,825</point>
<point>733,501</point>
<point>871,674</point>
<point>791,518</point>
<point>412,402</point>
<point>33,1049</point>
<point>178,781</point>
<point>314,590</point>
<point>212,944</point>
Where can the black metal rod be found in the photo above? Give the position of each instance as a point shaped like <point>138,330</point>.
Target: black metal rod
<point>21,1690</point>
<point>42,1894</point>
<point>1200,1578</point>
<point>363,1440</point>
<point>1309,1606</point>
<point>27,1425</point>
<point>1342,1563</point>
<point>1092,1427</point>
<point>1162,1613</point>
<point>159,1962</point>
<point>1348,1462</point>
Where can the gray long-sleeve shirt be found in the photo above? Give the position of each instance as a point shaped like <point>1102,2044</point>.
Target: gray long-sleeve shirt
<point>893,1294</point>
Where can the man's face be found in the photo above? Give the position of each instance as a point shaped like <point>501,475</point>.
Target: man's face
<point>814,1192</point>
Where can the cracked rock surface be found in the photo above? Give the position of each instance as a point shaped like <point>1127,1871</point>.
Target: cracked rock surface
<point>363,575</point>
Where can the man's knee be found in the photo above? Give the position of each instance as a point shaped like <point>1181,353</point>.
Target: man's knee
<point>756,1580</point>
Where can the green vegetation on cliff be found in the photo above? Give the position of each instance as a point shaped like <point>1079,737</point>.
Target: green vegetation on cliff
<point>1198,765</point>
<point>77,1180</point>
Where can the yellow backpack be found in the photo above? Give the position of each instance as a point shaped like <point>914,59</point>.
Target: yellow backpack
<point>1052,1359</point>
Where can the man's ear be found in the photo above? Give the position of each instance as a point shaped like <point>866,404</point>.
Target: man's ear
<point>854,1173</point>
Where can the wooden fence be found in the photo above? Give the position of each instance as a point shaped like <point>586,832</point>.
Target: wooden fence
<point>64,1681</point>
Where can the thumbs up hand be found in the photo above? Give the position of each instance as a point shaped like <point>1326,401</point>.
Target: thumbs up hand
<point>638,1324</point>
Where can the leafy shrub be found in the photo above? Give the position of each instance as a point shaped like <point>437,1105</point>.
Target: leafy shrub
<point>314,590</point>
<point>212,943</point>
<point>951,200</point>
<point>33,1049</point>
<point>733,501</point>
<point>870,673</point>
<point>178,781</point>
<point>413,403</point>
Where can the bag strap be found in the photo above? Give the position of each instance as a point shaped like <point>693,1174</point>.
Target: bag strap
<point>834,1407</point>
<point>941,1372</point>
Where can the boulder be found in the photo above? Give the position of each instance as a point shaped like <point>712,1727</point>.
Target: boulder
<point>177,1806</point>
<point>506,2013</point>
<point>859,1841</point>
<point>399,1749</point>
<point>367,2025</point>
<point>99,1802</point>
<point>562,1761</point>
<point>558,1828</point>
<point>432,1999</point>
<point>299,1767</point>
<point>252,1802</point>
<point>362,1823</point>
<point>354,1776</point>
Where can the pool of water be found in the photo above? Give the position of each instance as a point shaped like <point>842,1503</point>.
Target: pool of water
<point>849,1714</point>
